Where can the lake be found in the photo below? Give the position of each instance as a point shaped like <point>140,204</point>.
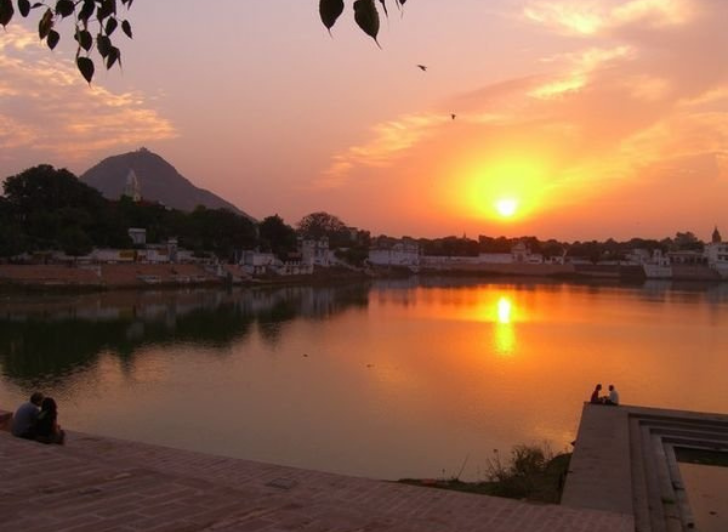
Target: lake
<point>388,379</point>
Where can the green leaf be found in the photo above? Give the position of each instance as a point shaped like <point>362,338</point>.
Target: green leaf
<point>86,67</point>
<point>84,39</point>
<point>111,25</point>
<point>65,8</point>
<point>6,12</point>
<point>330,10</point>
<point>367,17</point>
<point>24,7</point>
<point>46,24</point>
<point>126,28</point>
<point>52,39</point>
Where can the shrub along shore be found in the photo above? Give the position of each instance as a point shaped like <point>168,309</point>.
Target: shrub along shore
<point>533,473</point>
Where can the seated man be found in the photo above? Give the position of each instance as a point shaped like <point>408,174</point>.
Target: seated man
<point>24,418</point>
<point>613,397</point>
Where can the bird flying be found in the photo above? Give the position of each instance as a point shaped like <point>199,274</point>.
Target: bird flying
<point>422,67</point>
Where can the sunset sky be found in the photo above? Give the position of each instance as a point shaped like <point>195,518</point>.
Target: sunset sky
<point>575,119</point>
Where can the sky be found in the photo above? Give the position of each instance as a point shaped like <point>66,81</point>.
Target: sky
<point>574,119</point>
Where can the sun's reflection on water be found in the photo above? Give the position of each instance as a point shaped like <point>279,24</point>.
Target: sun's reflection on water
<point>505,335</point>
<point>505,306</point>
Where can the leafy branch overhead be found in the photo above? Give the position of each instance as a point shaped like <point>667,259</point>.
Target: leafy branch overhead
<point>366,13</point>
<point>95,22</point>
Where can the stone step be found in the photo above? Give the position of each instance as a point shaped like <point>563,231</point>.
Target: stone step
<point>98,483</point>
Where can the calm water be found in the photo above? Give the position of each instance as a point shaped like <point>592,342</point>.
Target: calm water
<point>387,380</point>
<point>707,495</point>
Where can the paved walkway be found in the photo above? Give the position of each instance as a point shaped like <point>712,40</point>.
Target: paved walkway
<point>96,484</point>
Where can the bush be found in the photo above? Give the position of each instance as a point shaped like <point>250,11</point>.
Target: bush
<point>521,476</point>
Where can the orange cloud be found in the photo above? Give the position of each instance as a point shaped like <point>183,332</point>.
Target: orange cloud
<point>579,69</point>
<point>590,18</point>
<point>48,108</point>
<point>607,118</point>
<point>390,139</point>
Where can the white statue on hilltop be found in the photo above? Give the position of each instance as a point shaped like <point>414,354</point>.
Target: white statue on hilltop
<point>132,188</point>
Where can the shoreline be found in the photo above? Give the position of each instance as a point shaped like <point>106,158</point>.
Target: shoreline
<point>52,278</point>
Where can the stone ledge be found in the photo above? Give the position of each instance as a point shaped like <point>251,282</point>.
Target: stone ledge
<point>624,461</point>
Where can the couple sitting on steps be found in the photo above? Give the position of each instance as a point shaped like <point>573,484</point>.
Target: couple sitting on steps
<point>611,399</point>
<point>38,420</point>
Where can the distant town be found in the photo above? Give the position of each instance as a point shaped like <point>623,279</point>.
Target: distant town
<point>56,230</point>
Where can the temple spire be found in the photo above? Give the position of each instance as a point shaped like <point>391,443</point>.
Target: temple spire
<point>716,236</point>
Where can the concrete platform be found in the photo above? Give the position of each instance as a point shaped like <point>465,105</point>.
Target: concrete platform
<point>625,462</point>
<point>600,473</point>
<point>95,484</point>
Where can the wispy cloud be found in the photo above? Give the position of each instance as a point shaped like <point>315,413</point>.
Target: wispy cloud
<point>389,140</point>
<point>578,70</point>
<point>592,17</point>
<point>646,104</point>
<point>46,107</point>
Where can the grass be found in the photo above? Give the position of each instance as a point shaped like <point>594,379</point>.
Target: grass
<point>532,473</point>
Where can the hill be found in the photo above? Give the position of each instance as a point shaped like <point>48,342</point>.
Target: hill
<point>158,180</point>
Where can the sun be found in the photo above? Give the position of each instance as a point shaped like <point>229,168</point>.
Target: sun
<point>506,207</point>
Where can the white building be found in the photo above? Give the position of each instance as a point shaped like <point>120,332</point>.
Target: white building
<point>638,256</point>
<point>113,255</point>
<point>401,254</point>
<point>294,268</point>
<point>520,254</point>
<point>257,263</point>
<point>657,266</point>
<point>138,236</point>
<point>315,252</point>
<point>495,258</point>
<point>154,254</point>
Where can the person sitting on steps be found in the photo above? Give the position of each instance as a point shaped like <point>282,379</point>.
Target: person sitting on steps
<point>23,425</point>
<point>47,429</point>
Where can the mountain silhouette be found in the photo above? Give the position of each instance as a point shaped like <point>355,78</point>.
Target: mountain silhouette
<point>158,180</point>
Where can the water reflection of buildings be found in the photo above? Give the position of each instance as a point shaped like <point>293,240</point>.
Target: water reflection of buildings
<point>52,336</point>
<point>170,307</point>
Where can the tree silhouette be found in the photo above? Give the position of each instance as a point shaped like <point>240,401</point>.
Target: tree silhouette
<point>277,236</point>
<point>320,224</point>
